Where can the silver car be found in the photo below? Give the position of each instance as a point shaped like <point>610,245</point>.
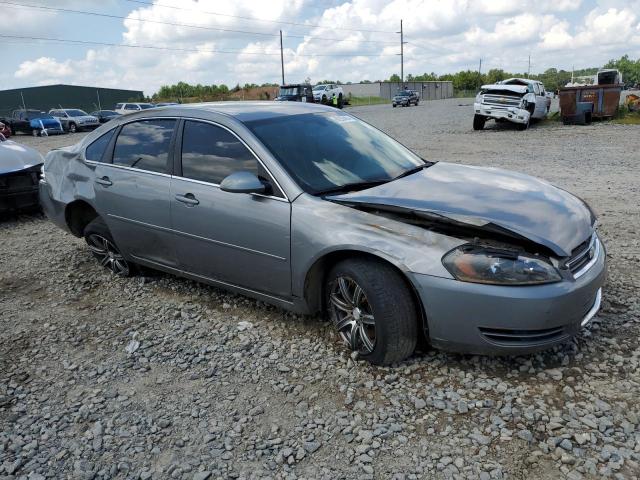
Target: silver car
<point>313,210</point>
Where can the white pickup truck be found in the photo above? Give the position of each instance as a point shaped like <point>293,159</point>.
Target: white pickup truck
<point>324,93</point>
<point>516,100</point>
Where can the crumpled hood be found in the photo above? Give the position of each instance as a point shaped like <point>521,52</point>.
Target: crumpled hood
<point>510,88</point>
<point>477,196</point>
<point>15,157</point>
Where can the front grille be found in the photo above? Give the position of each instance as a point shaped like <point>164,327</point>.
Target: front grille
<point>582,255</point>
<point>18,181</point>
<point>509,337</point>
<point>501,100</point>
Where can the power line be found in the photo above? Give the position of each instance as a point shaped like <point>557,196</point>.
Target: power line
<point>176,49</point>
<point>282,22</point>
<point>200,27</point>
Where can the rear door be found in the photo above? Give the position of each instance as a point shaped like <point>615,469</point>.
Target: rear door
<point>133,189</point>
<point>236,238</point>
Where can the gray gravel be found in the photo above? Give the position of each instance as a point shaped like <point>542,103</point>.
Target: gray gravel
<point>160,377</point>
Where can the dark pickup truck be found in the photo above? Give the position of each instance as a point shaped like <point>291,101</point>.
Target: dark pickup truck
<point>32,122</point>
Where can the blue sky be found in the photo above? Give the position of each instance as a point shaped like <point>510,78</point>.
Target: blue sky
<point>443,36</point>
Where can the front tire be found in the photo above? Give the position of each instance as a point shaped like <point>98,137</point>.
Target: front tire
<point>479,121</point>
<point>524,126</point>
<point>373,310</point>
<point>73,128</point>
<point>103,247</point>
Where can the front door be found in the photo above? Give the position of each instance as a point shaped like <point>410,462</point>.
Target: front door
<point>133,191</point>
<point>236,238</point>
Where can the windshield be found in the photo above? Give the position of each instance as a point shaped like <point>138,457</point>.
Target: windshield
<point>325,151</point>
<point>318,88</point>
<point>288,91</point>
<point>76,113</point>
<point>403,94</point>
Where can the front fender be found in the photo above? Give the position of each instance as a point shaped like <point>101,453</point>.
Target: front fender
<point>320,228</point>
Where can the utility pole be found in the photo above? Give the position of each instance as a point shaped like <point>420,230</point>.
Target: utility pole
<point>402,42</point>
<point>480,73</point>
<point>24,107</point>
<point>529,67</point>
<point>99,104</point>
<point>281,58</point>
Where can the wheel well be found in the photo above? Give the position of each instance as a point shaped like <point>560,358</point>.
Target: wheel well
<point>78,214</point>
<point>315,280</point>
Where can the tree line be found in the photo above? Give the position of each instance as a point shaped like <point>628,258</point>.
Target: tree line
<point>463,80</point>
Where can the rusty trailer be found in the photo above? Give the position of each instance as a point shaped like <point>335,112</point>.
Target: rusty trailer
<point>582,103</point>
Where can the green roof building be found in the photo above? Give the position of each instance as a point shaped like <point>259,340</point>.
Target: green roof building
<point>65,96</point>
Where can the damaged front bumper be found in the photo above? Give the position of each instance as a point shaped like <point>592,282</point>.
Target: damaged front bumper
<point>497,320</point>
<point>511,114</point>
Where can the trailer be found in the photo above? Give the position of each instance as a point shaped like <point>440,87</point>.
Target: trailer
<point>582,103</point>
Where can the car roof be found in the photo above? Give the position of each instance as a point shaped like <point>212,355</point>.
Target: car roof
<point>243,111</point>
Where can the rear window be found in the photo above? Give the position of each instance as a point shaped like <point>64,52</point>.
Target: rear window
<point>95,151</point>
<point>145,145</point>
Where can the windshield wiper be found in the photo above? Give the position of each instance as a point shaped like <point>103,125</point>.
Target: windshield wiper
<point>411,171</point>
<point>352,187</point>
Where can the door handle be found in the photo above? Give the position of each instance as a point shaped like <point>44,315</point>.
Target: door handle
<point>188,198</point>
<point>104,181</point>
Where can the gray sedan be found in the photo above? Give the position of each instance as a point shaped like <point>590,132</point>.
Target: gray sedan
<point>313,210</point>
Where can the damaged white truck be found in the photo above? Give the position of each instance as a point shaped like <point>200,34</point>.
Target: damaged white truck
<point>516,100</point>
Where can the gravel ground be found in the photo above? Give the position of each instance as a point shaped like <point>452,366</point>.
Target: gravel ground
<point>161,377</point>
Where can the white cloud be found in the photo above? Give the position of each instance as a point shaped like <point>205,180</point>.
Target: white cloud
<point>443,36</point>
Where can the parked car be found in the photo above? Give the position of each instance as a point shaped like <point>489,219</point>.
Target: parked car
<point>19,173</point>
<point>334,216</point>
<point>33,122</point>
<point>5,130</point>
<point>74,120</point>
<point>104,116</point>
<point>299,92</point>
<point>404,98</point>
<point>516,100</point>
<point>166,104</point>
<point>326,92</point>
<point>126,108</point>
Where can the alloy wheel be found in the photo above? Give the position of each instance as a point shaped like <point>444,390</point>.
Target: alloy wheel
<point>108,254</point>
<point>352,314</point>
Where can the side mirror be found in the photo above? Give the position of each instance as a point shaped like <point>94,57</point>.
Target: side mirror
<point>242,182</point>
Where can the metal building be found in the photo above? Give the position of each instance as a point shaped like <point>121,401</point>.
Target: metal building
<point>433,90</point>
<point>66,96</point>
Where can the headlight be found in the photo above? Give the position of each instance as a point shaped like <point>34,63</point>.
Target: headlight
<point>477,264</point>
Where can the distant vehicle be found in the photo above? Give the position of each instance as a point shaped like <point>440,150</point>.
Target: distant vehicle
<point>124,108</point>
<point>405,98</point>
<point>299,92</point>
<point>166,104</point>
<point>33,122</point>
<point>74,120</point>
<point>5,130</point>
<point>325,93</point>
<point>516,100</point>
<point>19,176</point>
<point>104,116</point>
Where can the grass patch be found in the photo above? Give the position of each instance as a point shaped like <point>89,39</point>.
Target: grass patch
<point>357,101</point>
<point>625,117</point>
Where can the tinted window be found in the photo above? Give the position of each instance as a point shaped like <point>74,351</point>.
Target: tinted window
<point>144,145</point>
<point>95,151</point>
<point>211,153</point>
<point>323,151</point>
<point>130,107</point>
<point>119,106</point>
